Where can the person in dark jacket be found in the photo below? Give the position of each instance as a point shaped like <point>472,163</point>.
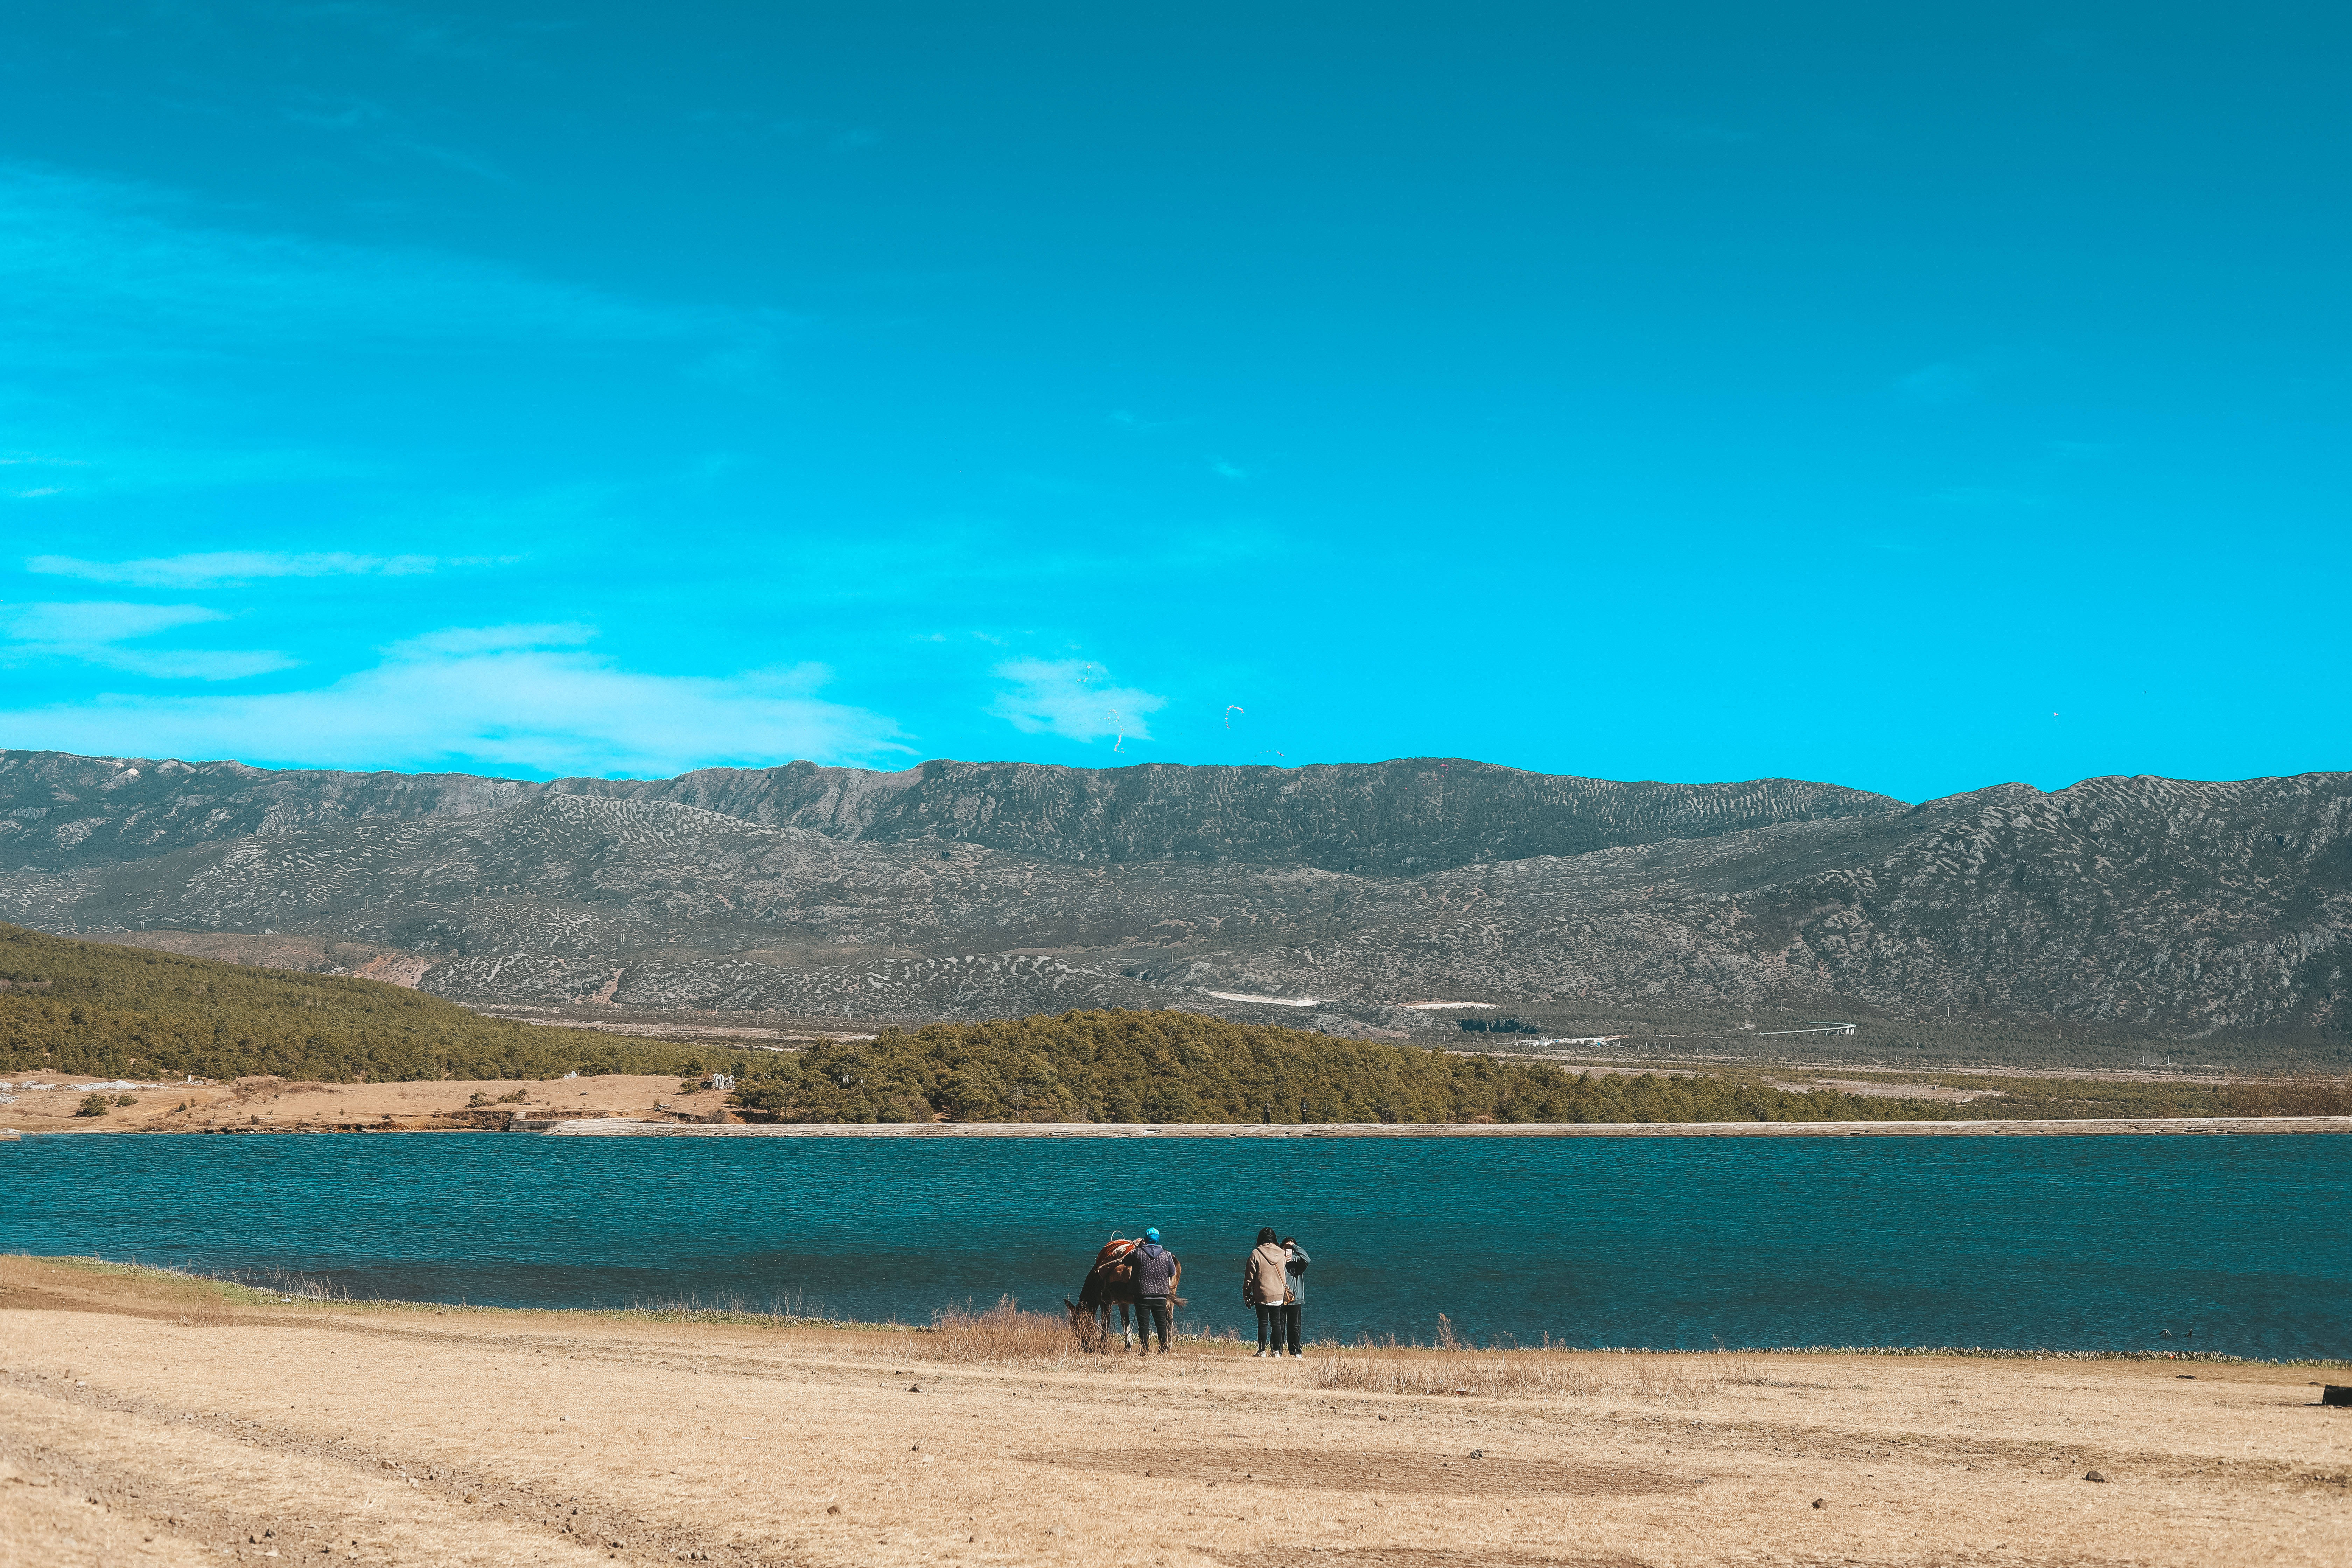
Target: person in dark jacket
<point>1295,1264</point>
<point>1156,1273</point>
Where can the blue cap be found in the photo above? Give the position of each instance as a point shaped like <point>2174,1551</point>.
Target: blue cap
<point>1152,1236</point>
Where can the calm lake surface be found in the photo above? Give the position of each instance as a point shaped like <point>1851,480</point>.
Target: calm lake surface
<point>2068,1243</point>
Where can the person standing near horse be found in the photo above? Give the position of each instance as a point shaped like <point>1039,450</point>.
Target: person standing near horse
<point>1265,1285</point>
<point>1156,1273</point>
<point>1295,1262</point>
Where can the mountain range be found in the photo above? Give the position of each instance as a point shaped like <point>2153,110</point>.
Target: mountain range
<point>1379,898</point>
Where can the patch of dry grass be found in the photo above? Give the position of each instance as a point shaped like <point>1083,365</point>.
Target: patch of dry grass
<point>1003,1335</point>
<point>1464,1372</point>
<point>76,1284</point>
<point>1452,1369</point>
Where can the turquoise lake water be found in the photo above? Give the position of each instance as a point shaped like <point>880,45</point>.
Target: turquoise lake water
<point>2066,1243</point>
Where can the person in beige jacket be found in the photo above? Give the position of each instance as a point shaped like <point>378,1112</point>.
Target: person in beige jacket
<point>1265,1285</point>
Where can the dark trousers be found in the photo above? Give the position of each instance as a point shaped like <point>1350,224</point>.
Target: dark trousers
<point>1275,1321</point>
<point>1152,1312</point>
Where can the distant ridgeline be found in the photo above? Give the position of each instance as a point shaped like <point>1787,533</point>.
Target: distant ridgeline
<point>89,1009</point>
<point>2117,923</point>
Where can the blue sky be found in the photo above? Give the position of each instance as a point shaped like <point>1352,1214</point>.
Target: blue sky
<point>1918,399</point>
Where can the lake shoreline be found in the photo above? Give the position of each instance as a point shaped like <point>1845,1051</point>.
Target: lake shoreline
<point>2186,1126</point>
<point>622,1125</point>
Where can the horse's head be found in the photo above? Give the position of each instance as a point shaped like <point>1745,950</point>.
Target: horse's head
<point>1083,1324</point>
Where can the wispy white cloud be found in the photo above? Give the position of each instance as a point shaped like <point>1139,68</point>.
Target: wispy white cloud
<point>461,640</point>
<point>751,124</point>
<point>93,272</point>
<point>1225,470</point>
<point>99,621</point>
<point>95,632</point>
<point>455,158</point>
<point>1072,698</point>
<point>415,30</point>
<point>1988,498</point>
<point>38,462</point>
<point>753,354</point>
<point>190,664</point>
<point>1942,383</point>
<point>495,697</point>
<point>319,112</point>
<point>228,566</point>
<point>1679,132</point>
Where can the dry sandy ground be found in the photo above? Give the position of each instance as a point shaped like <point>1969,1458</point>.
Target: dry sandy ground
<point>145,1421</point>
<point>614,1103</point>
<point>268,1104</point>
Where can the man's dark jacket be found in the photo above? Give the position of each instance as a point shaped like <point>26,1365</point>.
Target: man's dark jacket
<point>1155,1269</point>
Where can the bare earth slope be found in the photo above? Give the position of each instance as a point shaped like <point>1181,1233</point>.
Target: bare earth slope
<point>969,890</point>
<point>144,1421</point>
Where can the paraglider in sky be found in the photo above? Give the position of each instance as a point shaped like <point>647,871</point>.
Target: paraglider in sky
<point>1230,708</point>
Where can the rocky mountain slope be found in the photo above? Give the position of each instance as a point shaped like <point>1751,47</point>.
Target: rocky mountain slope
<point>972,890</point>
<point>59,811</point>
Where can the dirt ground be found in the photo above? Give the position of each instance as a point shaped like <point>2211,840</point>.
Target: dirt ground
<point>144,1419</point>
<point>277,1105</point>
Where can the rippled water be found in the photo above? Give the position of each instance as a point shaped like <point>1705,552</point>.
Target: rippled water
<point>2069,1242</point>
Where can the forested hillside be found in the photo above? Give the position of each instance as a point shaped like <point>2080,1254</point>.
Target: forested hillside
<point>89,1009</point>
<point>1119,1065</point>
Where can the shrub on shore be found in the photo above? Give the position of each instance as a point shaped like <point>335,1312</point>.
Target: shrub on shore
<point>2313,1094</point>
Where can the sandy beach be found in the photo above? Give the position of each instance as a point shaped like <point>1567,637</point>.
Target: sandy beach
<point>48,1104</point>
<point>626,1105</point>
<point>149,1419</point>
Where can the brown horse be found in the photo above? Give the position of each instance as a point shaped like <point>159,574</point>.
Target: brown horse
<point>1110,1286</point>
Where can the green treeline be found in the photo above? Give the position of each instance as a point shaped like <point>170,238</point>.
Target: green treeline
<point>1181,1067</point>
<point>95,1010</point>
<point>92,1010</point>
